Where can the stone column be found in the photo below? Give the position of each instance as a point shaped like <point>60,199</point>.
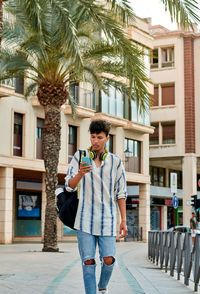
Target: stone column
<point>167,179</point>
<point>6,205</point>
<point>119,147</point>
<point>144,210</point>
<point>84,134</point>
<point>189,185</point>
<point>164,217</point>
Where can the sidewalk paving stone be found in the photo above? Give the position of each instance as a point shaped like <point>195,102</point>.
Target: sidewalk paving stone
<point>25,269</point>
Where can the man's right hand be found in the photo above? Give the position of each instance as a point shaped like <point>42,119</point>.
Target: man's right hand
<point>84,169</point>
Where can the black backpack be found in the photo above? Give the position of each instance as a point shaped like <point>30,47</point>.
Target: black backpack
<point>67,203</point>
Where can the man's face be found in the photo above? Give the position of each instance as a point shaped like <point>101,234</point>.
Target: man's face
<point>98,141</point>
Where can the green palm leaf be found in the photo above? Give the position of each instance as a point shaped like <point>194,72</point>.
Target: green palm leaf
<point>184,12</point>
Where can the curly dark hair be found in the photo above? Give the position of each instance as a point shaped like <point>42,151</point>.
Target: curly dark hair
<point>99,125</point>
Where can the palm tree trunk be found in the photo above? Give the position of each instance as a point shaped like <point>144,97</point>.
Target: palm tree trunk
<point>51,147</point>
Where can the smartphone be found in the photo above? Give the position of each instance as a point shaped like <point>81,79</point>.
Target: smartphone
<point>85,159</point>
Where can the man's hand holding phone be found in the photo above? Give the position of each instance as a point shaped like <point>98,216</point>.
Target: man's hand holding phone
<point>85,166</point>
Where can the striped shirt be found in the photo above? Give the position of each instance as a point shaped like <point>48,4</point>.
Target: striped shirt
<point>98,192</point>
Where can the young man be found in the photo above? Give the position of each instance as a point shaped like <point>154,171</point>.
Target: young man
<point>101,185</point>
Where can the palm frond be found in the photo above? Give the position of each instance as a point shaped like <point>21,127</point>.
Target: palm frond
<point>31,89</point>
<point>123,10</point>
<point>73,106</point>
<point>184,12</point>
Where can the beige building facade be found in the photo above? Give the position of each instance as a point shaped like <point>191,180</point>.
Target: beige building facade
<point>22,186</point>
<point>174,146</point>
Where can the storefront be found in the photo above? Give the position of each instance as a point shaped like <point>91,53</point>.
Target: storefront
<point>28,209</point>
<point>162,210</point>
<point>132,204</point>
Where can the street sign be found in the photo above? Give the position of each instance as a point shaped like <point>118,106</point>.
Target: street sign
<point>173,182</point>
<point>175,201</point>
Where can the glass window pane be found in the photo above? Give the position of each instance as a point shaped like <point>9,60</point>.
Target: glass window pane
<point>134,114</point>
<point>105,101</point>
<point>120,104</point>
<point>18,134</point>
<point>109,144</point>
<point>168,133</point>
<point>72,142</point>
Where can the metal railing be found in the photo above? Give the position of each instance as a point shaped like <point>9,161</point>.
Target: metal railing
<point>174,251</point>
<point>83,97</point>
<point>8,82</point>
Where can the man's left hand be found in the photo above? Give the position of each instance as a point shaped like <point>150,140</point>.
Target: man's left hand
<point>123,229</point>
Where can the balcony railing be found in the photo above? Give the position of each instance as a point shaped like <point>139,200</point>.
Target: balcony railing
<point>83,97</point>
<point>168,64</point>
<point>9,82</point>
<point>154,65</point>
<point>16,83</point>
<point>175,252</point>
<point>132,164</point>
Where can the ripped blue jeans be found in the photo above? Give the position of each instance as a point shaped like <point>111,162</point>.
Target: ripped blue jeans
<point>87,249</point>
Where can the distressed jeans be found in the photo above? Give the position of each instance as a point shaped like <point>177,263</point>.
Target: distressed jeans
<point>87,249</point>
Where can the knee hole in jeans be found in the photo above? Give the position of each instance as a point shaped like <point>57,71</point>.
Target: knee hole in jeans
<point>109,260</point>
<point>89,262</point>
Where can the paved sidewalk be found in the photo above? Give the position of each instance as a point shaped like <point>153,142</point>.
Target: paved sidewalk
<point>24,269</point>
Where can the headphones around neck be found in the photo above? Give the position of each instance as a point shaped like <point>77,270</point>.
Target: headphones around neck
<point>93,154</point>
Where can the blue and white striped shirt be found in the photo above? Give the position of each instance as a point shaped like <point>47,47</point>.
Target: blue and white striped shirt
<point>99,190</point>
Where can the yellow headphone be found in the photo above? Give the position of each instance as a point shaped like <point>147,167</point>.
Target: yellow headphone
<point>93,154</point>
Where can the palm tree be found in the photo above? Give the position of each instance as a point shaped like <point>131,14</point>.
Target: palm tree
<point>1,16</point>
<point>48,48</point>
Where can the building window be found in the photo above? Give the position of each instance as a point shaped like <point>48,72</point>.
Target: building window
<point>112,103</point>
<point>154,138</point>
<point>154,97</point>
<point>168,57</point>
<point>72,142</point>
<point>168,94</point>
<point>40,124</point>
<point>18,134</point>
<point>157,176</point>
<point>132,155</point>
<point>19,85</point>
<point>154,59</point>
<point>168,133</point>
<point>109,144</point>
<point>74,92</point>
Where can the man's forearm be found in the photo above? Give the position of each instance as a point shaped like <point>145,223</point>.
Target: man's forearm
<point>122,208</point>
<point>75,180</point>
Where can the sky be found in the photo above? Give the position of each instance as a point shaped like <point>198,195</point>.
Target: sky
<point>154,9</point>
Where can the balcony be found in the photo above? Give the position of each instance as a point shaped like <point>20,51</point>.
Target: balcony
<point>9,87</point>
<point>168,64</point>
<point>154,65</point>
<point>85,101</point>
<point>83,97</point>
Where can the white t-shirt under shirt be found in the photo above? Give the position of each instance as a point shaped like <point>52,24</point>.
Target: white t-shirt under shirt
<point>98,192</point>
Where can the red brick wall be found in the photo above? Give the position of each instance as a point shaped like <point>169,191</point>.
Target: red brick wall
<point>189,95</point>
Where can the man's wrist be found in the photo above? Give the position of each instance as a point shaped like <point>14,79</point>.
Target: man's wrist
<point>123,220</point>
